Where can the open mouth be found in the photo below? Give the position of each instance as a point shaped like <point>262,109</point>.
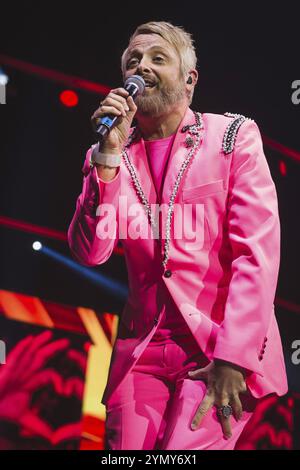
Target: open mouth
<point>149,84</point>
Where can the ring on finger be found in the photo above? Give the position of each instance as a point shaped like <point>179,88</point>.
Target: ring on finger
<point>224,411</point>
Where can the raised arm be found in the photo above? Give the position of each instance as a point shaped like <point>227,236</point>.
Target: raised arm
<point>101,187</point>
<point>83,237</point>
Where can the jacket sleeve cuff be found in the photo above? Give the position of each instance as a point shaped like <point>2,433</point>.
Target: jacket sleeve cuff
<point>248,360</point>
<point>95,190</point>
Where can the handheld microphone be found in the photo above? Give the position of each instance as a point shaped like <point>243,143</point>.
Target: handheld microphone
<point>135,85</point>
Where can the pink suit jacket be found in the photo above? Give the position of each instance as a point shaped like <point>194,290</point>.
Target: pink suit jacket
<point>225,289</point>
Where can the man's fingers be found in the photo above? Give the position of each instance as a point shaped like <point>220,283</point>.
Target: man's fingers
<point>112,106</point>
<point>118,98</point>
<point>226,427</point>
<point>106,110</point>
<point>206,404</point>
<point>131,104</point>
<point>244,388</point>
<point>120,91</point>
<point>225,421</point>
<point>198,373</point>
<point>121,95</point>
<point>236,407</point>
<point>123,107</point>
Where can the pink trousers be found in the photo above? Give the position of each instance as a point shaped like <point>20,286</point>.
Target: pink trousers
<point>155,404</point>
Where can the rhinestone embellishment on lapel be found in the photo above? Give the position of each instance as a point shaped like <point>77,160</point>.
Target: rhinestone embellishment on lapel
<point>231,131</point>
<point>189,141</point>
<point>195,129</point>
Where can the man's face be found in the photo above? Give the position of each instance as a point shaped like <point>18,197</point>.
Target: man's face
<point>153,58</point>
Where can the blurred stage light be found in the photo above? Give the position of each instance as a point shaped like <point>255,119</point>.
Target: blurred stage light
<point>69,98</point>
<point>37,246</point>
<point>3,77</point>
<point>282,168</point>
<point>111,285</point>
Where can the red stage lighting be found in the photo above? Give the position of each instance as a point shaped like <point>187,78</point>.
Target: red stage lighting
<point>282,168</point>
<point>69,98</point>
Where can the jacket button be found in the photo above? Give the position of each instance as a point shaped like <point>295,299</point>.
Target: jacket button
<point>168,273</point>
<point>260,358</point>
<point>155,320</point>
<point>266,339</point>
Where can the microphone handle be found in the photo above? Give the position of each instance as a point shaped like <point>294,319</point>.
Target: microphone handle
<point>105,126</point>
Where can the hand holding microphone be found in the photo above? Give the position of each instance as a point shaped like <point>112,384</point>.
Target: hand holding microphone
<point>112,120</point>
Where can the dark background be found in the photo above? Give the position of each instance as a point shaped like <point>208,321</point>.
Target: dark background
<point>248,57</point>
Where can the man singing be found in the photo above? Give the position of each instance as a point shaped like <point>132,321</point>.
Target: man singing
<point>191,198</point>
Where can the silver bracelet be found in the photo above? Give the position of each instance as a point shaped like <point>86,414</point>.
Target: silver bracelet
<point>104,159</point>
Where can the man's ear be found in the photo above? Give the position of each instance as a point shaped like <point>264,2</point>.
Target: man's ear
<point>190,83</point>
<point>192,78</point>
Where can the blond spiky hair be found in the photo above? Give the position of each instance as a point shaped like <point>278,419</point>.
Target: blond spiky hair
<point>176,36</point>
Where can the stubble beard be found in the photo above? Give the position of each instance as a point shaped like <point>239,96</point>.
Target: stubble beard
<point>161,100</point>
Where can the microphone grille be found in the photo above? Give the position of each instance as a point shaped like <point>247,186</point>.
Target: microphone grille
<point>136,80</point>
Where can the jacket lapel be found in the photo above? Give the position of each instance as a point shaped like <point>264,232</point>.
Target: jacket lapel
<point>138,157</point>
<point>178,154</point>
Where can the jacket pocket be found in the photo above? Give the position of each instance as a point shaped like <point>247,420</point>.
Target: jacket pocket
<point>203,190</point>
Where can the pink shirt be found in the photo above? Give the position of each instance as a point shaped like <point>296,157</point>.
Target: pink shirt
<point>172,324</point>
<point>158,152</point>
